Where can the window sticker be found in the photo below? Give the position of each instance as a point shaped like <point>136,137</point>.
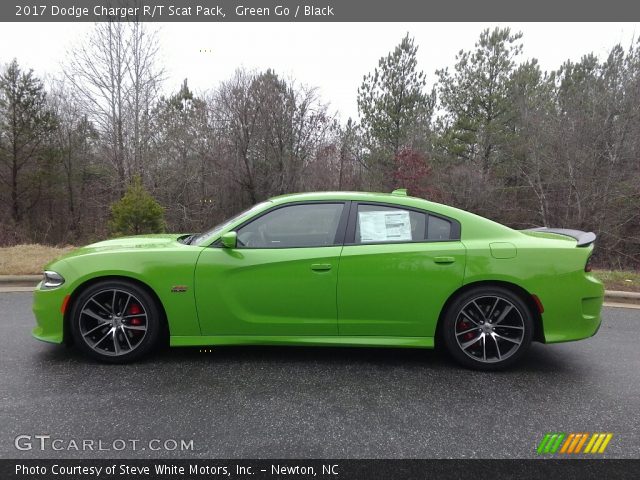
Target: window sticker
<point>384,226</point>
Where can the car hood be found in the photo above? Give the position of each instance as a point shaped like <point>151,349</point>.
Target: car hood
<point>129,243</point>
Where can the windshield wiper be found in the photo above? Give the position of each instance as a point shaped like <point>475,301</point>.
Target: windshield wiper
<point>188,239</point>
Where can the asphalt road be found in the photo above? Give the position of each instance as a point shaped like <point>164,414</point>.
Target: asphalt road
<point>276,402</point>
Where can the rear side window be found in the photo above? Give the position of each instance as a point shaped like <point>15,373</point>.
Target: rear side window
<point>386,224</point>
<point>381,224</point>
<point>307,225</point>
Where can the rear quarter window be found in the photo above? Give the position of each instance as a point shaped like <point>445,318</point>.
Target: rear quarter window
<point>438,228</point>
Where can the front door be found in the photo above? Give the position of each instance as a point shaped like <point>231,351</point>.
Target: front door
<point>280,280</point>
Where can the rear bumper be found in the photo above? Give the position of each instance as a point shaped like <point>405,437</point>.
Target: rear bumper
<point>576,313</point>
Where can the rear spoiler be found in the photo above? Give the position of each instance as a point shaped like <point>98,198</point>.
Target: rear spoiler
<point>584,239</point>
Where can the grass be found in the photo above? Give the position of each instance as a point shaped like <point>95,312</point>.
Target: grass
<point>29,259</point>
<point>619,280</point>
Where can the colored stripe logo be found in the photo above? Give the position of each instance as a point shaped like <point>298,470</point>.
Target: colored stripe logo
<point>572,443</point>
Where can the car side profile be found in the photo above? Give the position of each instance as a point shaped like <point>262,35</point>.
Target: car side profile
<point>330,268</point>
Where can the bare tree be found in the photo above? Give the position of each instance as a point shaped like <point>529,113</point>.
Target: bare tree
<point>115,75</point>
<point>145,77</point>
<point>75,142</point>
<point>272,129</point>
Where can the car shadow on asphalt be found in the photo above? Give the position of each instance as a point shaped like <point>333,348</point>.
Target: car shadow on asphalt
<point>539,359</point>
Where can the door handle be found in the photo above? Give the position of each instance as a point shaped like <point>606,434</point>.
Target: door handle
<point>321,267</point>
<point>444,259</point>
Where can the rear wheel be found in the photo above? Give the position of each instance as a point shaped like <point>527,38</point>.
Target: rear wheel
<point>488,328</point>
<point>115,321</point>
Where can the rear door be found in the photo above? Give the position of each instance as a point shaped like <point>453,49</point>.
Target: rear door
<point>398,267</point>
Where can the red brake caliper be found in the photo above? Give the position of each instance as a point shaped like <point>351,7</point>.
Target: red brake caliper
<point>464,325</point>
<point>135,309</point>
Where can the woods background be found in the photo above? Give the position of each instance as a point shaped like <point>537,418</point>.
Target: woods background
<point>494,135</point>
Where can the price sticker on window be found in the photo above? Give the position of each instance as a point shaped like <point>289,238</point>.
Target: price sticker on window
<point>384,226</point>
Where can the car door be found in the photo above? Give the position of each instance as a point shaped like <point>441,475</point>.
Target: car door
<point>398,267</point>
<point>280,280</point>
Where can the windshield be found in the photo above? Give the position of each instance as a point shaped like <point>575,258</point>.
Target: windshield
<point>204,238</point>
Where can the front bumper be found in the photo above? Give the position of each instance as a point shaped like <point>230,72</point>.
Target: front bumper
<point>49,317</point>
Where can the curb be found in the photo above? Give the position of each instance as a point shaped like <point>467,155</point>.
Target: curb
<point>622,305</point>
<point>618,298</point>
<point>19,279</point>
<point>628,297</point>
<point>15,288</point>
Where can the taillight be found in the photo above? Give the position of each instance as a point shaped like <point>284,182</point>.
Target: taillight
<point>587,267</point>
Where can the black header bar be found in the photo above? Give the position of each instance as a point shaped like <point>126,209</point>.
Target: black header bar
<point>317,10</point>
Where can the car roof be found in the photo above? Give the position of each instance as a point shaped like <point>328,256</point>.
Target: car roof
<point>337,195</point>
<point>483,226</point>
<point>399,197</point>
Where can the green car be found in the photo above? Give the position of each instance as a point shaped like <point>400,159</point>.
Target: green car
<point>334,269</point>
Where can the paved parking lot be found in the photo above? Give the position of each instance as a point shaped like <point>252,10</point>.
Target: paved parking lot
<point>316,402</point>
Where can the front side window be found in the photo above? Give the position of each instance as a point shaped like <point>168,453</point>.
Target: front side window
<point>308,225</point>
<point>204,238</point>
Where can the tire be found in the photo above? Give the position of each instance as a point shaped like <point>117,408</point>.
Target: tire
<point>115,321</point>
<point>487,328</point>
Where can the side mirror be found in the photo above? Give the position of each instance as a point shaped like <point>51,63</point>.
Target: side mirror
<point>229,240</point>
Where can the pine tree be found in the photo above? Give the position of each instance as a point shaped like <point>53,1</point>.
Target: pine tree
<point>25,122</point>
<point>395,111</point>
<point>137,212</point>
<point>477,97</point>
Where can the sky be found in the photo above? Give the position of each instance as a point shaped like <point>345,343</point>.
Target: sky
<point>333,57</point>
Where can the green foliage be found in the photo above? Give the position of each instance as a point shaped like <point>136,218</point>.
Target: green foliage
<point>476,97</point>
<point>25,123</point>
<point>23,102</point>
<point>183,100</point>
<point>395,111</point>
<point>137,212</point>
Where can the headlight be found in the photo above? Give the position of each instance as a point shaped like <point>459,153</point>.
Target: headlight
<point>52,279</point>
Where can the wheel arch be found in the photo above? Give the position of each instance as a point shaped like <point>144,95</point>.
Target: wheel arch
<point>525,296</point>
<point>66,332</point>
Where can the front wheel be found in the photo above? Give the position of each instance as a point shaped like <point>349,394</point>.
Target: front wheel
<point>488,328</point>
<point>115,321</point>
